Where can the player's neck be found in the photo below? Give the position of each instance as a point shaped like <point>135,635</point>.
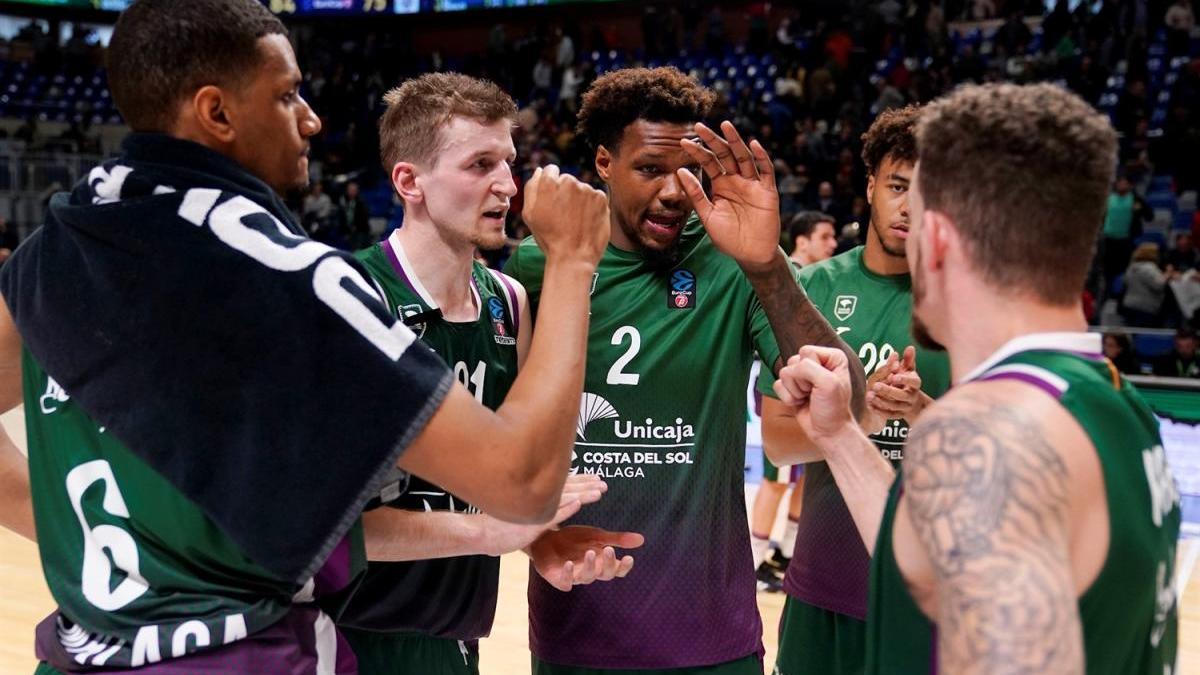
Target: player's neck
<point>973,336</point>
<point>801,259</point>
<point>443,267</point>
<point>880,261</point>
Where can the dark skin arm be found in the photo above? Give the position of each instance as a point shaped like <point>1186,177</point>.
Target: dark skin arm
<point>743,220</point>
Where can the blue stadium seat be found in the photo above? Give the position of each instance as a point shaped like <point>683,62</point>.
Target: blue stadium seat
<point>1150,346</point>
<point>1162,200</point>
<point>1160,184</point>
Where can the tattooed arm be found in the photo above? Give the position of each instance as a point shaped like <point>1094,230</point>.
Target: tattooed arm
<point>987,495</point>
<point>796,323</point>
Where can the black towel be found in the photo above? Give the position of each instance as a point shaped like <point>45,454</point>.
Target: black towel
<point>174,298</point>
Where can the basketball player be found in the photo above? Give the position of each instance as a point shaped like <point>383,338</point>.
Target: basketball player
<point>211,397</point>
<point>446,140</point>
<point>813,240</point>
<point>1032,527</point>
<point>866,294</point>
<point>675,326</point>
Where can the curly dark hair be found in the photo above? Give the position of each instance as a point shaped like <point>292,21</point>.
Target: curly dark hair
<point>620,98</point>
<point>1023,171</point>
<point>892,134</point>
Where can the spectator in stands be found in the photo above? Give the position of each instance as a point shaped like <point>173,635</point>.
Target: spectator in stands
<point>1119,349</point>
<point>29,132</point>
<point>1181,360</point>
<point>812,237</point>
<point>1119,230</point>
<point>318,207</point>
<point>826,201</point>
<point>352,209</point>
<point>1145,287</point>
<point>1183,256</point>
<point>1179,21</point>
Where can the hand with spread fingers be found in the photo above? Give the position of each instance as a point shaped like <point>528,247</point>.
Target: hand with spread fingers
<point>577,554</point>
<point>894,390</point>
<point>743,215</point>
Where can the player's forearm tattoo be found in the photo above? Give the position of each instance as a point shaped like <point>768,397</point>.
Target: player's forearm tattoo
<point>988,498</point>
<point>796,323</point>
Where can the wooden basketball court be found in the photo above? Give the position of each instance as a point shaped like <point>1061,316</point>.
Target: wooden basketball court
<point>26,601</point>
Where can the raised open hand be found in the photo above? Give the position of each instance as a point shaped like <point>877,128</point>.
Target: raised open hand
<point>743,215</point>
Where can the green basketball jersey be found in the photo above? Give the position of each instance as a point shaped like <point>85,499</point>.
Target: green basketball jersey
<point>873,314</point>
<point>130,558</point>
<point>445,597</point>
<point>1129,614</point>
<point>662,419</point>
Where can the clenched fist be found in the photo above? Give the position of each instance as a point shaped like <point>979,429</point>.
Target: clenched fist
<point>569,219</point>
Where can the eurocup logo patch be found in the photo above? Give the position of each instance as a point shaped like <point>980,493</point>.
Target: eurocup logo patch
<point>495,308</point>
<point>844,306</point>
<point>682,294</point>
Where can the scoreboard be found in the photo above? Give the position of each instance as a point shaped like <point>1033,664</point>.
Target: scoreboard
<point>326,7</point>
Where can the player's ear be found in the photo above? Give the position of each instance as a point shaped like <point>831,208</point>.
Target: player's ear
<point>404,181</point>
<point>603,163</point>
<point>870,188</point>
<point>209,109</point>
<point>941,234</point>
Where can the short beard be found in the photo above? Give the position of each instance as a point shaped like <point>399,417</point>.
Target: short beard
<point>883,242</point>
<point>920,331</point>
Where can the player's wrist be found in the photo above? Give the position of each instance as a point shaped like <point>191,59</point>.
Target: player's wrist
<point>762,270</point>
<point>840,438</point>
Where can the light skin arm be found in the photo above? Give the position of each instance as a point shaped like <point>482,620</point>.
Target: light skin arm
<point>511,463</point>
<point>16,503</point>
<point>988,498</point>
<point>893,391</point>
<point>742,218</point>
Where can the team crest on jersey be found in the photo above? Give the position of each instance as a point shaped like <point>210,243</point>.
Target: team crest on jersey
<point>682,293</point>
<point>407,312</point>
<point>496,311</point>
<point>54,397</point>
<point>844,306</point>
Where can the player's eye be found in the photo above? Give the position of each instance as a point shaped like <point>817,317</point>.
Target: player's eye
<point>650,170</point>
<point>899,189</point>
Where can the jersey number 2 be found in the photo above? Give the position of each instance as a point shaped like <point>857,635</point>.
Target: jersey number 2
<point>617,374</point>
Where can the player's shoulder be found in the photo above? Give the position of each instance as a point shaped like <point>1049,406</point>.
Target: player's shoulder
<point>982,411</point>
<point>527,259</point>
<point>833,267</point>
<point>504,284</point>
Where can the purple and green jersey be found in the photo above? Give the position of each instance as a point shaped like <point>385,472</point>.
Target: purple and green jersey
<point>662,420</point>
<point>873,314</point>
<point>455,597</point>
<point>1129,614</point>
<point>143,578</point>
